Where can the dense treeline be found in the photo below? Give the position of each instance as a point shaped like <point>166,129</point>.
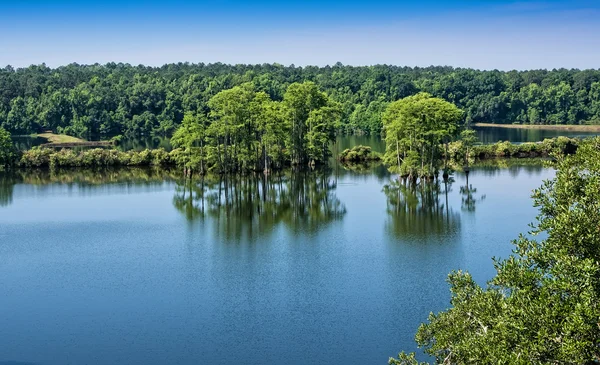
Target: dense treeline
<point>105,100</point>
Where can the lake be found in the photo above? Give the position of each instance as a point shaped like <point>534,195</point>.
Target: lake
<point>335,266</point>
<point>519,135</point>
<point>485,134</point>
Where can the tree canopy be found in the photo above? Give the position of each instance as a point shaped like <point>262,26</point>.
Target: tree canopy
<point>415,127</point>
<point>7,151</point>
<point>247,130</point>
<point>112,99</point>
<point>543,305</point>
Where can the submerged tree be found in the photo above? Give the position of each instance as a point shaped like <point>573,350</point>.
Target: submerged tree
<point>543,305</point>
<point>7,149</point>
<point>415,127</point>
<point>313,117</point>
<point>190,138</point>
<point>248,131</point>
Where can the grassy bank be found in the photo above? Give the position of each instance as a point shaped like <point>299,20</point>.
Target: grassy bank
<point>58,138</point>
<point>554,127</point>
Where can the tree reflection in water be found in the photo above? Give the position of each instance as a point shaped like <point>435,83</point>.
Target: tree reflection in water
<point>253,205</point>
<point>468,196</point>
<point>7,182</point>
<point>85,179</point>
<point>420,210</point>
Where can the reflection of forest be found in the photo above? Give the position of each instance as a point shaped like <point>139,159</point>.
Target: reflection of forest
<point>7,182</point>
<point>420,210</point>
<point>84,178</point>
<point>469,200</point>
<point>255,204</point>
<point>250,205</point>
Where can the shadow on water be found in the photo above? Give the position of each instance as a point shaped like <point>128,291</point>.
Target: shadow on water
<point>253,206</point>
<point>420,210</point>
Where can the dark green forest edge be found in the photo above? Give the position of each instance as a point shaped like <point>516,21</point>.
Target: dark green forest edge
<point>101,101</point>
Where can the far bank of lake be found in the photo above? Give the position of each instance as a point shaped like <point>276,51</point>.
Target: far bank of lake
<point>491,133</point>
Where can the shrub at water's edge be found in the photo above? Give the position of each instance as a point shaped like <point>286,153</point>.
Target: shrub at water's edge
<point>99,157</point>
<point>558,145</point>
<point>359,154</point>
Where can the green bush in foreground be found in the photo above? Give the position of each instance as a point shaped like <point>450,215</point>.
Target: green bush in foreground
<point>543,305</point>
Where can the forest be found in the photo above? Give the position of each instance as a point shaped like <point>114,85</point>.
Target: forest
<point>102,101</point>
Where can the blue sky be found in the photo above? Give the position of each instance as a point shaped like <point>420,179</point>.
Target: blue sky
<point>493,34</point>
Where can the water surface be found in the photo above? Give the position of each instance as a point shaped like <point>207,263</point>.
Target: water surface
<point>519,135</point>
<point>134,266</point>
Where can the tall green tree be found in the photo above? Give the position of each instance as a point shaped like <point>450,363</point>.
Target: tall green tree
<point>7,150</point>
<point>415,127</point>
<point>312,116</point>
<point>190,137</point>
<point>236,114</point>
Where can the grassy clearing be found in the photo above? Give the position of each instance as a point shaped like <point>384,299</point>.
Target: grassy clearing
<point>59,138</point>
<point>572,128</point>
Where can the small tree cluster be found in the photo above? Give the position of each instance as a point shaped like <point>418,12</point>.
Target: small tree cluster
<point>247,131</point>
<point>7,149</point>
<point>415,129</point>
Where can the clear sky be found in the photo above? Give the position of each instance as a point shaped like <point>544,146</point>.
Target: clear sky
<point>493,34</point>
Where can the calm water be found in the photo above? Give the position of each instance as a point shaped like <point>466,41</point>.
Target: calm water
<point>485,135</point>
<point>493,135</point>
<point>135,267</point>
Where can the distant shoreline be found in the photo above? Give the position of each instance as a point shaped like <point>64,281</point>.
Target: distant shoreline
<point>572,128</point>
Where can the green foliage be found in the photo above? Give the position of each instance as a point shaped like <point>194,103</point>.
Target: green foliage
<point>547,148</point>
<point>7,149</point>
<point>248,131</point>
<point>543,305</point>
<point>113,99</point>
<point>415,127</point>
<point>98,157</point>
<point>359,154</point>
<point>313,120</point>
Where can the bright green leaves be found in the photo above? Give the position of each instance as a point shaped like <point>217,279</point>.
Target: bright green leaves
<point>190,138</point>
<point>247,131</point>
<point>7,150</point>
<point>313,118</point>
<point>415,127</point>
